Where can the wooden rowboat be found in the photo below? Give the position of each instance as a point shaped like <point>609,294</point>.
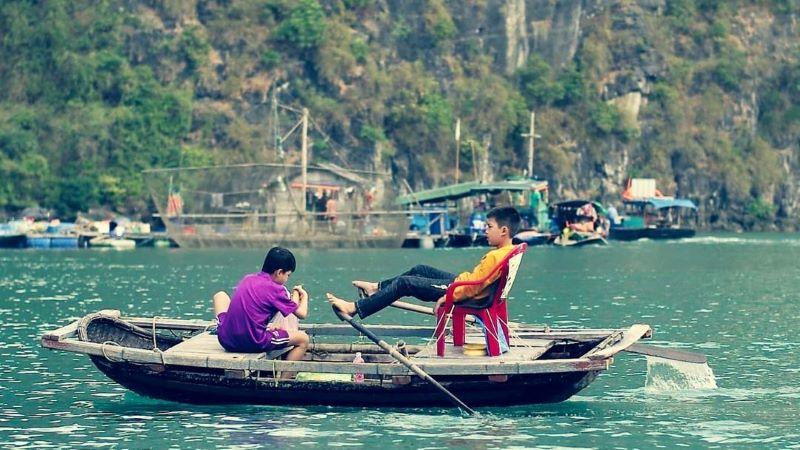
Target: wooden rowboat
<point>180,360</point>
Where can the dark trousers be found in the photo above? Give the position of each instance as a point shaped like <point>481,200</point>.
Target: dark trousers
<point>423,282</point>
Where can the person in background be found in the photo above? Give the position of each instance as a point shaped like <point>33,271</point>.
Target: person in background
<point>330,213</point>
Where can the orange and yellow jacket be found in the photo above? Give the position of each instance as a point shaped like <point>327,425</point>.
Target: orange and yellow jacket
<point>488,262</point>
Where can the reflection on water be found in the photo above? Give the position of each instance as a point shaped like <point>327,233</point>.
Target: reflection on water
<point>734,298</point>
<point>670,375</point>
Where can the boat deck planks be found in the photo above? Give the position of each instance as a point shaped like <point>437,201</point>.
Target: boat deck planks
<point>206,345</point>
<point>520,350</point>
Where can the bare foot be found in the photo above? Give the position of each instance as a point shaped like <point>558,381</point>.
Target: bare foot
<point>342,305</point>
<point>368,287</point>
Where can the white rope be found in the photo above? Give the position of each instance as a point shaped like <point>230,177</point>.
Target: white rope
<point>103,349</point>
<point>155,344</point>
<point>447,316</point>
<point>511,334</point>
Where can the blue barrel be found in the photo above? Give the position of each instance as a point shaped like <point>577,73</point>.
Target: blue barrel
<point>436,221</point>
<point>64,242</point>
<point>38,241</point>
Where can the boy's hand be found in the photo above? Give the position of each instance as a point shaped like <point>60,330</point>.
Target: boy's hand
<point>301,293</point>
<point>439,304</point>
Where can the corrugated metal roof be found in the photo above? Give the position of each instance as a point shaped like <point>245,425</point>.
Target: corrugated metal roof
<point>469,189</point>
<point>665,202</point>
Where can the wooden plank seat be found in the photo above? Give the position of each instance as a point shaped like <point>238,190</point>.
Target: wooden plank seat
<point>206,344</point>
<point>491,311</point>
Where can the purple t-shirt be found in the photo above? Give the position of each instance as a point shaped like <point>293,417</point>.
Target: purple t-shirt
<point>256,299</point>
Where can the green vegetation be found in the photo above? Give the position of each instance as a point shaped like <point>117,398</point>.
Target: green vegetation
<point>94,92</point>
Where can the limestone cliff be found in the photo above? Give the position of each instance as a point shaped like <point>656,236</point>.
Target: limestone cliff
<point>701,95</point>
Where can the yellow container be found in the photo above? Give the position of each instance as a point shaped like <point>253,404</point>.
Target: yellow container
<point>474,346</point>
<point>474,349</point>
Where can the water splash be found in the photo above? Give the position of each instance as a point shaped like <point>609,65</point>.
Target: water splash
<point>669,375</point>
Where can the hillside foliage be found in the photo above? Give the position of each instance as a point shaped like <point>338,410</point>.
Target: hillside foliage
<point>94,92</point>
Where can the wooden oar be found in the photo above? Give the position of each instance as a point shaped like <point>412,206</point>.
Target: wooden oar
<point>668,353</point>
<point>403,360</point>
<point>642,349</point>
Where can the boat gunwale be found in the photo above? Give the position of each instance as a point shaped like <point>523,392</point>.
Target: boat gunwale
<point>65,338</point>
<point>118,354</point>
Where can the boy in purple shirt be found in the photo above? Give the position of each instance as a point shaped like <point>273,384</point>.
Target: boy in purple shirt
<point>244,320</point>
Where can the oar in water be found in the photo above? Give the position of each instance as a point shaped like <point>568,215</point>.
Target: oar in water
<point>403,360</point>
<point>642,349</point>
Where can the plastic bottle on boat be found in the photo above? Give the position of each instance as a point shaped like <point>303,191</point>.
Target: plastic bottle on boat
<point>358,377</point>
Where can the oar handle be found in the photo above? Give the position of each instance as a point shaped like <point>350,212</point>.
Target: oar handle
<point>402,359</point>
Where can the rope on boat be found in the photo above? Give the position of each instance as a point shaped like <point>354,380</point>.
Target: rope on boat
<point>447,316</point>
<point>103,349</point>
<point>212,324</point>
<point>322,354</point>
<point>511,334</point>
<point>155,343</point>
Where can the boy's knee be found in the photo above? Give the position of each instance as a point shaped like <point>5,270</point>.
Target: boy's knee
<point>302,339</point>
<point>220,295</point>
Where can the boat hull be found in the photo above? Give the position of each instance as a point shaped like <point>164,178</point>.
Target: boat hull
<point>533,238</point>
<point>182,361</point>
<point>13,240</point>
<point>632,234</point>
<point>213,387</point>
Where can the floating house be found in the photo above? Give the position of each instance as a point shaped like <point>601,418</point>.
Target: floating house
<point>261,205</point>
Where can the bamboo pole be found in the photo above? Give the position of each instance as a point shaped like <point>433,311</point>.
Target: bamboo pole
<point>304,161</point>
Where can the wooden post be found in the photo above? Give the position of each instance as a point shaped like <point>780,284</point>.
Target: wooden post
<point>531,135</point>
<point>304,161</point>
<point>458,145</point>
<point>472,144</point>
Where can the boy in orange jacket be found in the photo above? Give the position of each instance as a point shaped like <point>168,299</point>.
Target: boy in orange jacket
<point>429,283</point>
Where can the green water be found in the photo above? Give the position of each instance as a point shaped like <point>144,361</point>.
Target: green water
<point>731,297</point>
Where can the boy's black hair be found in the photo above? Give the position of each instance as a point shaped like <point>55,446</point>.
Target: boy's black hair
<point>279,258</point>
<point>506,216</point>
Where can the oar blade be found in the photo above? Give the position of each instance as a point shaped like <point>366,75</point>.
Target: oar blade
<point>668,353</point>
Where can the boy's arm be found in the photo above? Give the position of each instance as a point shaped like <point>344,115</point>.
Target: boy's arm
<point>302,302</point>
<point>481,270</point>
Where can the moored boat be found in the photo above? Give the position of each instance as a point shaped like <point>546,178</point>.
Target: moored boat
<point>10,239</point>
<point>579,240</point>
<point>533,237</point>
<point>12,234</point>
<point>112,242</point>
<point>455,215</point>
<point>648,214</point>
<point>577,223</point>
<point>180,360</point>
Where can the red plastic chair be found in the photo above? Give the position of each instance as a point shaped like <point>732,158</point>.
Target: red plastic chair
<point>489,310</point>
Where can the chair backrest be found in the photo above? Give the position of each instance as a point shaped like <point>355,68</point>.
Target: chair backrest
<point>509,272</point>
<point>499,289</point>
